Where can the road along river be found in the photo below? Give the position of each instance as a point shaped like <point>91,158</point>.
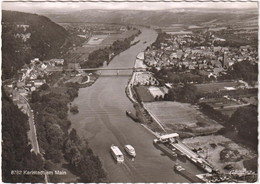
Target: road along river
<point>102,120</point>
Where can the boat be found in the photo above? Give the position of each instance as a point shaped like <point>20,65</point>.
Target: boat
<point>131,115</point>
<point>117,154</point>
<point>130,150</point>
<point>178,167</point>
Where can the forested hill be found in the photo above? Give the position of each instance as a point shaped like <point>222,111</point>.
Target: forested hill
<point>26,36</point>
<point>16,154</point>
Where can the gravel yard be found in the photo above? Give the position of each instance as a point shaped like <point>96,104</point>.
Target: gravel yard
<point>222,152</point>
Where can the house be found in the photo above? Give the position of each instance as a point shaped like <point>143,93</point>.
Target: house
<point>35,60</point>
<point>217,49</point>
<point>29,84</point>
<point>216,71</point>
<point>49,62</point>
<point>173,55</point>
<point>168,85</point>
<point>151,61</point>
<point>58,61</point>
<point>212,75</point>
<point>179,53</point>
<point>156,92</point>
<point>38,83</point>
<point>33,76</point>
<point>43,66</point>
<point>123,29</point>
<point>20,84</point>
<point>74,66</point>
<point>216,63</point>
<point>243,48</point>
<point>22,92</point>
<point>191,67</point>
<point>33,88</point>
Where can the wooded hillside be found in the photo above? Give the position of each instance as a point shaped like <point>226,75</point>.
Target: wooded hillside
<point>26,36</point>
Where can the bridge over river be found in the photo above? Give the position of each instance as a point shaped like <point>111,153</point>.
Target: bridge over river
<point>102,68</point>
<point>107,70</point>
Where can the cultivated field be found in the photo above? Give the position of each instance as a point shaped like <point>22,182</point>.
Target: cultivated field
<point>80,54</point>
<point>96,40</point>
<point>182,117</point>
<point>214,86</point>
<point>221,151</point>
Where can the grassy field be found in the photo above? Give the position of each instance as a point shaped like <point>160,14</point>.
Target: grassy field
<point>143,94</point>
<point>214,86</point>
<point>183,117</point>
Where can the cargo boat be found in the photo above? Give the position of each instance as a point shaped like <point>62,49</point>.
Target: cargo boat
<point>182,171</point>
<point>131,115</point>
<point>167,151</point>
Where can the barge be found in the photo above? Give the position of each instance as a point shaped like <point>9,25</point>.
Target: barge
<point>131,115</point>
<point>182,171</point>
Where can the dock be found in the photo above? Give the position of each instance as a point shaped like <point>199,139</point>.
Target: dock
<point>175,143</point>
<point>191,177</point>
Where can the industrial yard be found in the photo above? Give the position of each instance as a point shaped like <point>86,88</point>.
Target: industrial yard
<point>221,151</point>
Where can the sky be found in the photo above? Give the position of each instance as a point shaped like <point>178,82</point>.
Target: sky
<point>37,7</point>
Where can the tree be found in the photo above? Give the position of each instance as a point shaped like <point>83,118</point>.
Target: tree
<point>187,94</point>
<point>246,122</point>
<point>45,86</point>
<point>35,96</point>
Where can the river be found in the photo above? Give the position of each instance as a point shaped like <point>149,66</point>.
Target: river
<point>102,120</point>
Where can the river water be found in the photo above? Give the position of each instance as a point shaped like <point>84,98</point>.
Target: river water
<point>102,120</point>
